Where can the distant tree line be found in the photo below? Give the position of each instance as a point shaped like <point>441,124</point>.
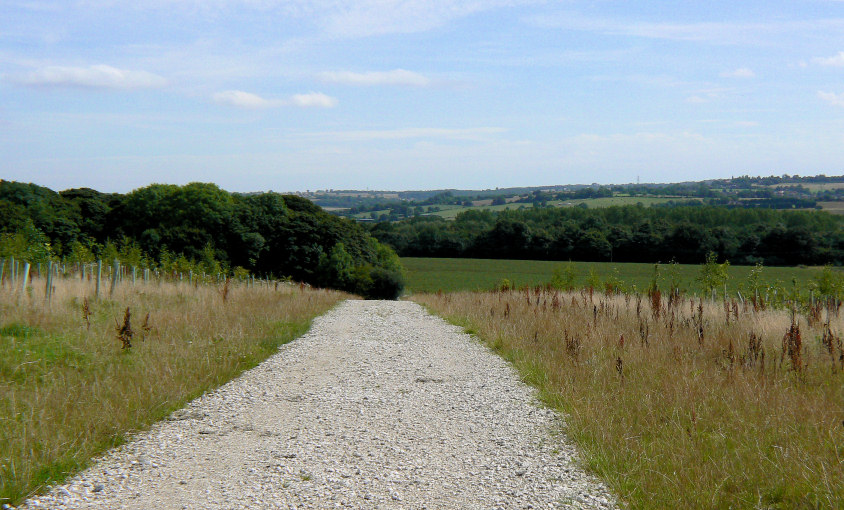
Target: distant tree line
<point>625,234</point>
<point>265,233</point>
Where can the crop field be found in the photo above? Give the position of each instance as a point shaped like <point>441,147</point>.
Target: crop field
<point>616,200</point>
<point>450,212</point>
<point>832,207</point>
<point>78,373</point>
<point>680,403</point>
<point>450,275</point>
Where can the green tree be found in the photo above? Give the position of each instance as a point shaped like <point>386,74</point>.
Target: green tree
<point>830,283</point>
<point>336,268</point>
<point>712,274</point>
<point>564,277</point>
<point>28,244</point>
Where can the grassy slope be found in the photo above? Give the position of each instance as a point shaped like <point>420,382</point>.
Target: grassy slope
<point>668,420</point>
<point>68,392</point>
<point>448,275</point>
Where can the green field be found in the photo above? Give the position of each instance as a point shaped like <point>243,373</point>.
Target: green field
<point>449,275</point>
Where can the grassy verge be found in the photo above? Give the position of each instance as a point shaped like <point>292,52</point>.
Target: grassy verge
<point>69,391</point>
<point>451,275</point>
<point>736,417</point>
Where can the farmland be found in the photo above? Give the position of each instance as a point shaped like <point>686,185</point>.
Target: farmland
<point>450,275</point>
<point>78,373</point>
<point>449,211</point>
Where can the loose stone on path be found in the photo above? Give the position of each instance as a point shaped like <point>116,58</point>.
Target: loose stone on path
<point>379,405</point>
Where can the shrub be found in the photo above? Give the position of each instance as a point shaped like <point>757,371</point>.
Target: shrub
<point>377,283</point>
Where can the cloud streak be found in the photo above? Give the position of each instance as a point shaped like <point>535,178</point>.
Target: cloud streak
<point>334,18</point>
<point>96,76</point>
<point>250,101</point>
<point>721,33</point>
<point>832,98</point>
<point>396,77</point>
<point>833,61</point>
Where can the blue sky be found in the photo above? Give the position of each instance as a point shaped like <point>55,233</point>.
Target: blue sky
<point>292,95</point>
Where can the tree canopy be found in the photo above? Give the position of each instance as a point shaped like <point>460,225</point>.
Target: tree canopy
<point>266,233</point>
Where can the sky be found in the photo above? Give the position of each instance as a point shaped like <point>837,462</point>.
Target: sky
<point>295,95</point>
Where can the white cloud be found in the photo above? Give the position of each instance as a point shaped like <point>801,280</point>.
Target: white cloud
<point>832,98</point>
<point>394,77</point>
<point>97,76</point>
<point>252,101</point>
<point>243,99</point>
<point>834,61</point>
<point>741,72</point>
<point>313,99</point>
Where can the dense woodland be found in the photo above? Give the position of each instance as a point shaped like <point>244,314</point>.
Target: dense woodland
<point>625,234</point>
<point>199,226</point>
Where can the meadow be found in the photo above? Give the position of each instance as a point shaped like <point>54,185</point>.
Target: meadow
<point>679,402</point>
<point>451,275</point>
<point>77,373</point>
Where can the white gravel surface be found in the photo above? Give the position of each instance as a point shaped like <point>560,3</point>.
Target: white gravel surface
<point>379,405</point>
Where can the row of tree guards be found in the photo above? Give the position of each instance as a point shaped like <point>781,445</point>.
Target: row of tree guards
<point>18,275</point>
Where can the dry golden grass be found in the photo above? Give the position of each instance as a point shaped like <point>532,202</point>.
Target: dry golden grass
<point>69,389</point>
<point>736,417</point>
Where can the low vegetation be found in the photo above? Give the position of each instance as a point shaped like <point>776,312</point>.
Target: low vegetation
<point>678,402</point>
<point>77,374</point>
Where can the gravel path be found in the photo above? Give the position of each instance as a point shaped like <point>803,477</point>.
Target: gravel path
<point>379,405</point>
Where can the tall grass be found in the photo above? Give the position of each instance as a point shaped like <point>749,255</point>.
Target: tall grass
<point>680,403</point>
<point>77,374</point>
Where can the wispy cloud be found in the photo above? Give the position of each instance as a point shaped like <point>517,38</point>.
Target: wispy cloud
<point>313,100</point>
<point>394,77</point>
<point>252,101</point>
<point>243,99</point>
<point>335,18</point>
<point>742,72</point>
<point>479,133</point>
<point>833,61</point>
<point>832,98</point>
<point>96,76</point>
<point>709,32</point>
